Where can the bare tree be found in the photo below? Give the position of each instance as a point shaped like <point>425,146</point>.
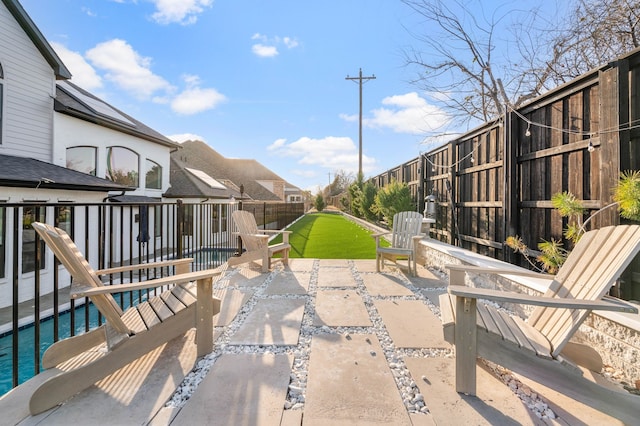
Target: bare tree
<point>595,33</point>
<point>478,64</point>
<point>457,61</point>
<point>340,184</point>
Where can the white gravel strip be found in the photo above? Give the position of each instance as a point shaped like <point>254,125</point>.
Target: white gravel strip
<point>407,386</point>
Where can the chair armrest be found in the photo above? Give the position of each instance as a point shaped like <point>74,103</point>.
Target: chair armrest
<point>82,290</point>
<point>275,232</point>
<point>151,265</point>
<point>378,235</point>
<point>607,304</point>
<point>285,234</point>
<point>498,271</point>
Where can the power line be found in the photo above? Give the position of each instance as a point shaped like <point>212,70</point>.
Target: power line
<point>360,80</point>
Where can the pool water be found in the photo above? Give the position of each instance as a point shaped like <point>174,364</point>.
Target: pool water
<point>26,341</point>
<point>210,257</point>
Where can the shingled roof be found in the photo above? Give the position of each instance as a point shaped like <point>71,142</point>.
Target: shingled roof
<point>246,172</point>
<point>77,102</point>
<point>186,185</point>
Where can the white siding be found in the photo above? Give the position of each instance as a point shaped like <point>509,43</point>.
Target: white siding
<point>29,86</point>
<point>71,131</point>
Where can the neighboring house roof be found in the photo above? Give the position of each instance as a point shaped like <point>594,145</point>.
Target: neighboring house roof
<point>185,184</point>
<point>77,102</point>
<point>199,155</point>
<point>20,15</point>
<point>29,173</point>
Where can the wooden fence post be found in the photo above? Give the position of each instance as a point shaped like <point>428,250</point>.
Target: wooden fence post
<point>610,118</point>
<point>510,174</point>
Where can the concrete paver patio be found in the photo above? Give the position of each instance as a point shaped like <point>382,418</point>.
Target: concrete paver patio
<point>319,342</point>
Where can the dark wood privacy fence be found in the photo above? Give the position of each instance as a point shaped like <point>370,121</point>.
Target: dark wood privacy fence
<point>498,179</point>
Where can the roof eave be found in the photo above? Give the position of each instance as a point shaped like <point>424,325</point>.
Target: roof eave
<point>32,31</point>
<point>66,187</point>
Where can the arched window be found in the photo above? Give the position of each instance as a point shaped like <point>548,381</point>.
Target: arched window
<point>82,159</point>
<point>153,178</point>
<point>1,98</point>
<point>122,166</point>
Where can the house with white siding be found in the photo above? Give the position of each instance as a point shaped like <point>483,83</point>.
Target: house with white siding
<point>61,144</point>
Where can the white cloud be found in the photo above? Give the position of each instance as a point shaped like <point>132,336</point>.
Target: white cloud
<point>264,51</point>
<point>184,12</point>
<point>83,74</point>
<point>268,46</point>
<point>183,137</point>
<point>195,99</point>
<point>408,113</point>
<point>127,69</point>
<point>279,143</point>
<point>290,42</point>
<point>349,118</point>
<point>332,153</point>
<point>89,12</point>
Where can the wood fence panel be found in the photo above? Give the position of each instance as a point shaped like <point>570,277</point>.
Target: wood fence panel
<point>507,189</point>
<point>609,142</point>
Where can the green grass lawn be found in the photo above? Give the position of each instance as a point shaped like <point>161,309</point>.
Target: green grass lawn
<point>330,236</point>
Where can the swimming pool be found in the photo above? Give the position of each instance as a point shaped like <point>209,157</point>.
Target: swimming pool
<point>209,257</point>
<point>26,344</point>
<point>26,339</point>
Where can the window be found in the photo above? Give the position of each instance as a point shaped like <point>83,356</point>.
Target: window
<point>30,215</point>
<point>82,159</point>
<point>1,80</point>
<point>3,240</point>
<point>122,166</point>
<point>215,219</point>
<point>63,218</point>
<point>223,216</point>
<point>187,221</point>
<point>157,221</point>
<point>153,179</point>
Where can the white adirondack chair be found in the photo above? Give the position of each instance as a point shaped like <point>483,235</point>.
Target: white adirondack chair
<point>256,242</point>
<point>76,363</point>
<point>534,348</point>
<point>405,235</point>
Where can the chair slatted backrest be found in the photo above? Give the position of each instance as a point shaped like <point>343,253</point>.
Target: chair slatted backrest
<point>406,225</point>
<point>589,272</point>
<point>81,271</point>
<point>247,227</point>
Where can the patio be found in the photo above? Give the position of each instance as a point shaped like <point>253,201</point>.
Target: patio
<point>318,342</point>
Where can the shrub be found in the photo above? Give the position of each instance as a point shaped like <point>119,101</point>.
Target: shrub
<point>319,203</point>
<point>393,198</point>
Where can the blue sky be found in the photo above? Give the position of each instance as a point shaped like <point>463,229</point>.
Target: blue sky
<point>254,78</point>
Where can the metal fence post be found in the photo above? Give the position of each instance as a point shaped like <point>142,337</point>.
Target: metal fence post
<point>179,227</point>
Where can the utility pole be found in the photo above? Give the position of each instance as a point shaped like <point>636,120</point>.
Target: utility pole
<point>360,80</point>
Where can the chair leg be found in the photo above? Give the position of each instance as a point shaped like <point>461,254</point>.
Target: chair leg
<point>266,261</point>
